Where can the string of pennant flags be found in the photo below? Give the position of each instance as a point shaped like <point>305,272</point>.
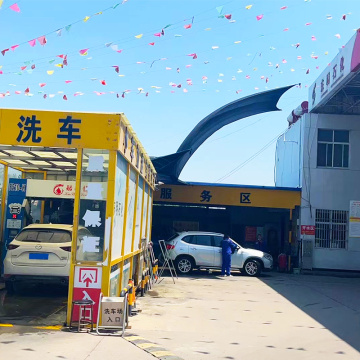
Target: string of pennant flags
<point>42,40</point>
<point>189,24</point>
<point>85,52</point>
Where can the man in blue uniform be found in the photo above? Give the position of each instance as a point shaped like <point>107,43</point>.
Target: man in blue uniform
<point>228,248</point>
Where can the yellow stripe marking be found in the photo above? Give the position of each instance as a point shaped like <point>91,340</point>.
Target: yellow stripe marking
<point>132,338</point>
<point>161,353</point>
<point>146,345</point>
<point>6,325</point>
<point>57,327</point>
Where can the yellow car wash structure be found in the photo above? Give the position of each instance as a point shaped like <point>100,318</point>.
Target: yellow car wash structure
<point>96,160</point>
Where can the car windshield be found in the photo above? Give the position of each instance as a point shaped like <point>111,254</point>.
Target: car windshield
<point>44,236</point>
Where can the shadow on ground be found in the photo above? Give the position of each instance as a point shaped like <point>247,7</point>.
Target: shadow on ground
<point>333,302</point>
<point>34,305</point>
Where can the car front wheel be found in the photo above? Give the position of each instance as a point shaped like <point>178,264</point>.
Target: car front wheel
<point>184,264</point>
<point>252,268</point>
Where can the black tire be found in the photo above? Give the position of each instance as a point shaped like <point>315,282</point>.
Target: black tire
<point>184,264</point>
<point>252,268</point>
<point>9,286</point>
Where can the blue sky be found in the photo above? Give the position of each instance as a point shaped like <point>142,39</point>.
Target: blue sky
<point>164,117</point>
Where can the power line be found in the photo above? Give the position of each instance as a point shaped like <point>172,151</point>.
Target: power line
<point>237,168</point>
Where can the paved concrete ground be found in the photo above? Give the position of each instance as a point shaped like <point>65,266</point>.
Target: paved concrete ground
<point>64,345</point>
<point>277,316</point>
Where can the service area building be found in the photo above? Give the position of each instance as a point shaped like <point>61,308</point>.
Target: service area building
<point>319,153</point>
<point>247,213</point>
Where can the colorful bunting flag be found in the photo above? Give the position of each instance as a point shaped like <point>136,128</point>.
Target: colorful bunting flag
<point>15,7</point>
<point>187,26</point>
<point>139,36</point>
<point>32,42</point>
<point>259,17</point>
<point>42,40</point>
<point>14,47</point>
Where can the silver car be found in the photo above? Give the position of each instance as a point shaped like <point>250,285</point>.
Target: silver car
<point>197,249</point>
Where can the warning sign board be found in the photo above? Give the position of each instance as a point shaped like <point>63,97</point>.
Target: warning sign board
<point>88,277</point>
<point>87,286</point>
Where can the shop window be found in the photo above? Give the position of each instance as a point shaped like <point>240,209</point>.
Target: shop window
<point>333,148</point>
<point>331,229</point>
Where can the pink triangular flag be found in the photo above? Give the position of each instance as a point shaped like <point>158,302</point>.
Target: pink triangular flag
<point>313,38</point>
<point>283,8</point>
<point>42,40</point>
<point>65,97</point>
<point>259,17</point>
<point>228,16</point>
<point>23,67</point>
<point>152,43</point>
<point>15,7</point>
<point>14,47</point>
<point>83,51</point>
<point>42,84</point>
<point>68,81</point>
<point>17,92</point>
<point>4,51</point>
<point>157,34</point>
<point>32,42</point>
<point>187,26</point>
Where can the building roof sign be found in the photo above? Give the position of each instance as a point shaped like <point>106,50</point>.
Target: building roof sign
<point>333,90</point>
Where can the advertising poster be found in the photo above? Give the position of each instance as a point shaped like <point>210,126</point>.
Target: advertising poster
<point>354,223</point>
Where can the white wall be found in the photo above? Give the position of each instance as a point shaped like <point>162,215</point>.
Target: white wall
<point>288,157</point>
<point>330,188</point>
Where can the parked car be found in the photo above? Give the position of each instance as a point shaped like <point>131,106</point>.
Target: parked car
<point>196,249</point>
<point>41,253</point>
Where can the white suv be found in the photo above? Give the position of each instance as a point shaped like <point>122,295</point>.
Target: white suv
<point>197,249</point>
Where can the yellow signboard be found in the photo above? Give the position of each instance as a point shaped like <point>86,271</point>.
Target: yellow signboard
<point>59,129</point>
<point>211,195</point>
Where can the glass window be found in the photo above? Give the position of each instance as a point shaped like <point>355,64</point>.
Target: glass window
<point>93,204</point>
<point>333,148</point>
<point>331,229</point>
<point>45,236</point>
<point>338,155</point>
<point>321,155</point>
<point>217,241</point>
<point>325,135</point>
<point>341,136</point>
<point>188,239</point>
<point>203,240</point>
